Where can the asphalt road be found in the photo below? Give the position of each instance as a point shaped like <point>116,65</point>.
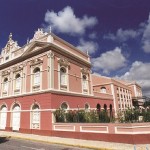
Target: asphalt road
<point>17,144</point>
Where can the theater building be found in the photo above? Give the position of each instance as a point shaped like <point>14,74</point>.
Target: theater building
<point>45,74</point>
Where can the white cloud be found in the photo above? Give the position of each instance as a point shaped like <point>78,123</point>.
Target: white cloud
<point>109,61</point>
<point>87,46</point>
<point>65,21</point>
<point>122,35</point>
<point>146,37</point>
<point>139,72</point>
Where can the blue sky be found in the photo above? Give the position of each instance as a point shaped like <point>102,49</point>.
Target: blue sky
<point>115,33</point>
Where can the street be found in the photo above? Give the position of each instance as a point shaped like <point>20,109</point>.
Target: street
<point>17,144</point>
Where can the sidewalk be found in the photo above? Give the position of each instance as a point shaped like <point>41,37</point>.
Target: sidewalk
<point>75,142</point>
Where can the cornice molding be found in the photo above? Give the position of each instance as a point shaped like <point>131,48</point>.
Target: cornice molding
<point>36,62</point>
<point>17,68</point>
<point>85,70</point>
<point>6,72</point>
<point>44,49</point>
<point>63,62</point>
<point>54,91</point>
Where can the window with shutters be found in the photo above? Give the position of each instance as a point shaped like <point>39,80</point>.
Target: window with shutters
<point>18,81</point>
<point>5,86</point>
<point>63,78</point>
<point>36,78</point>
<point>84,84</point>
<point>3,116</point>
<point>35,117</point>
<point>17,87</point>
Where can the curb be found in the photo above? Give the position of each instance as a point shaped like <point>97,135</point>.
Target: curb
<point>51,142</point>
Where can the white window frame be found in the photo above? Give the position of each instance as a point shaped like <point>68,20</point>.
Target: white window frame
<point>36,87</point>
<point>18,82</point>
<point>1,112</point>
<point>103,90</point>
<point>5,86</point>
<point>65,109</point>
<point>63,85</point>
<point>85,85</point>
<point>13,113</point>
<point>35,122</point>
<point>36,78</point>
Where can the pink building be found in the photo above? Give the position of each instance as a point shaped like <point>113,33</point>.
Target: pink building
<point>45,74</point>
<point>123,91</point>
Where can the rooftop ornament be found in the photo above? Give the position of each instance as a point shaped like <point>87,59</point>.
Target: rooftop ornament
<point>11,45</point>
<point>38,34</point>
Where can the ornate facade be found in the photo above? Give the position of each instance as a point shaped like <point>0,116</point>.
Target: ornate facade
<point>45,74</point>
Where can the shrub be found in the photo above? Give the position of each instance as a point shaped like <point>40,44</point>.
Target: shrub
<point>81,116</point>
<point>103,117</point>
<point>146,116</point>
<point>71,116</point>
<point>132,115</point>
<point>92,117</point>
<point>59,115</point>
<point>120,117</point>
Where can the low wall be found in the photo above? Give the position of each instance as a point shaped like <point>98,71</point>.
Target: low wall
<point>135,133</point>
<point>114,128</point>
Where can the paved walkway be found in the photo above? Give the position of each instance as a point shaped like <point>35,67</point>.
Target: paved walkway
<point>75,142</point>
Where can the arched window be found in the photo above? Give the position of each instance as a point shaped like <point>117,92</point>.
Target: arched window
<point>110,107</point>
<point>18,81</point>
<point>84,83</point>
<point>5,85</point>
<point>98,107</point>
<point>35,117</point>
<point>64,106</point>
<point>36,76</point>
<point>3,117</point>
<point>105,107</point>
<point>63,77</point>
<point>103,90</point>
<point>16,117</point>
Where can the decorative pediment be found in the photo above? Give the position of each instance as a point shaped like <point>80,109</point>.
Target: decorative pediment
<point>85,70</point>
<point>63,62</point>
<point>17,68</point>
<point>38,34</point>
<point>33,47</point>
<point>36,61</point>
<point>6,72</point>
<point>10,46</point>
